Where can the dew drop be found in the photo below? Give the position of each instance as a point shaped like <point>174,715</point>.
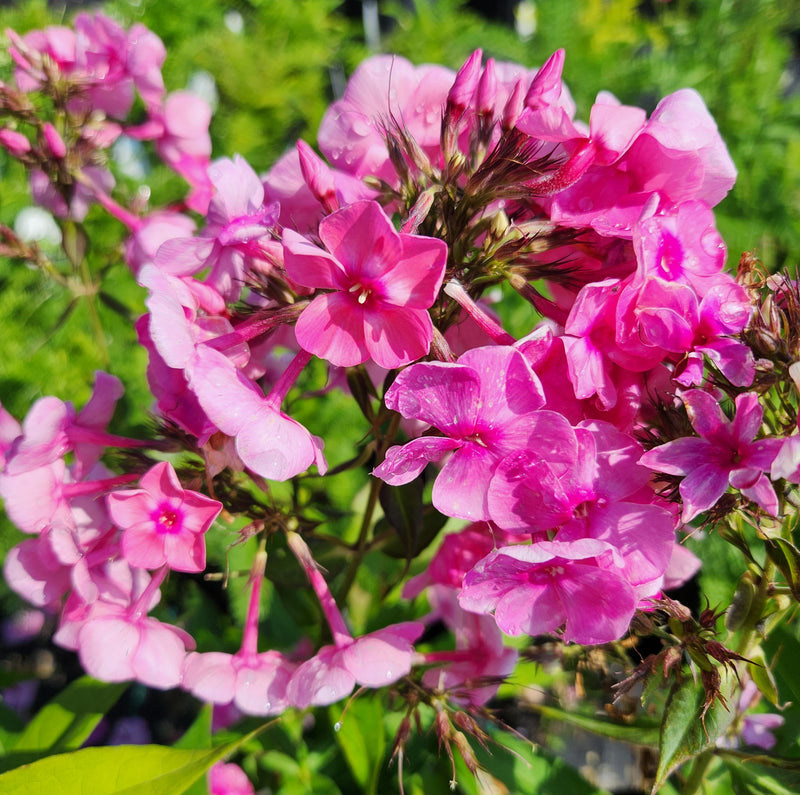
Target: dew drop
<point>337,726</point>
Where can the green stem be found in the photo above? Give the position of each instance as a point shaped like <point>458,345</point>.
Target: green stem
<point>698,772</point>
<point>90,294</point>
<point>366,521</point>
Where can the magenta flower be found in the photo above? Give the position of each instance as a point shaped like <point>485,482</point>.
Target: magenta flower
<point>535,589</point>
<point>487,406</point>
<point>725,454</point>
<point>163,523</point>
<point>382,284</point>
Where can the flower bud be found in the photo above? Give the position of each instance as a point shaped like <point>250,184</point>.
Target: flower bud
<point>14,142</point>
<point>55,143</point>
<point>465,84</point>
<point>514,106</point>
<point>318,177</point>
<point>487,90</point>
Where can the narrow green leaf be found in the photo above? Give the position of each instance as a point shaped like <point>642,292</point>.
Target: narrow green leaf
<point>638,734</point>
<point>65,722</point>
<point>118,770</point>
<point>786,557</point>
<point>762,676</point>
<point>751,777</point>
<point>198,735</point>
<point>684,734</point>
<point>361,738</point>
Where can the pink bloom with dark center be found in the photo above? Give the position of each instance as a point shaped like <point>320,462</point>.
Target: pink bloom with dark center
<point>163,523</point>
<point>727,453</point>
<point>382,283</point>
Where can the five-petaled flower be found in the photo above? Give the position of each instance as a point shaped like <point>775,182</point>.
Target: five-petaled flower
<point>382,283</point>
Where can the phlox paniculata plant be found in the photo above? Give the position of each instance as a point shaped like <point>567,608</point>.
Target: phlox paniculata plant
<point>567,458</point>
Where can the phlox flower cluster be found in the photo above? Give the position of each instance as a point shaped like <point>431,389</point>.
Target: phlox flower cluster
<point>375,258</point>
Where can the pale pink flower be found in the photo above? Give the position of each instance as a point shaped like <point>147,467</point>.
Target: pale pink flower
<point>163,523</point>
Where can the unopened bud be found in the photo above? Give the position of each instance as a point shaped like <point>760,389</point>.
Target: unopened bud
<point>546,85</point>
<point>487,90</point>
<point>318,177</point>
<point>419,212</point>
<point>739,608</point>
<point>514,106</point>
<point>14,142</point>
<point>460,95</point>
<point>55,143</point>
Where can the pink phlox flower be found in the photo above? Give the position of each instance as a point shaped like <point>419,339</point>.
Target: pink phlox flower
<point>238,225</point>
<point>373,660</point>
<point>154,230</point>
<point>458,553</point>
<point>536,589</point>
<point>589,341</point>
<point>52,428</point>
<point>163,523</point>
<point>254,683</point>
<point>228,779</point>
<point>472,672</point>
<point>677,154</point>
<point>682,245</point>
<point>178,324</point>
<point>603,495</point>
<point>726,453</point>
<point>175,401</point>
<point>116,645</point>
<point>32,570</point>
<point>117,583</point>
<point>179,129</point>
<point>683,565</point>
<point>56,43</point>
<point>268,441</point>
<point>382,284</point>
<point>117,641</point>
<point>486,405</point>
<point>787,461</point>
<point>382,88</point>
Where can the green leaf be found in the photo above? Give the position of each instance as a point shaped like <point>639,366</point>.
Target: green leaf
<point>415,523</point>
<point>361,738</point>
<point>522,768</point>
<point>786,557</point>
<point>684,734</point>
<point>763,775</point>
<point>65,722</point>
<point>198,735</point>
<point>762,676</point>
<point>638,734</point>
<point>119,770</point>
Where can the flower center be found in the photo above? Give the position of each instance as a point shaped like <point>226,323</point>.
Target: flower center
<point>168,521</point>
